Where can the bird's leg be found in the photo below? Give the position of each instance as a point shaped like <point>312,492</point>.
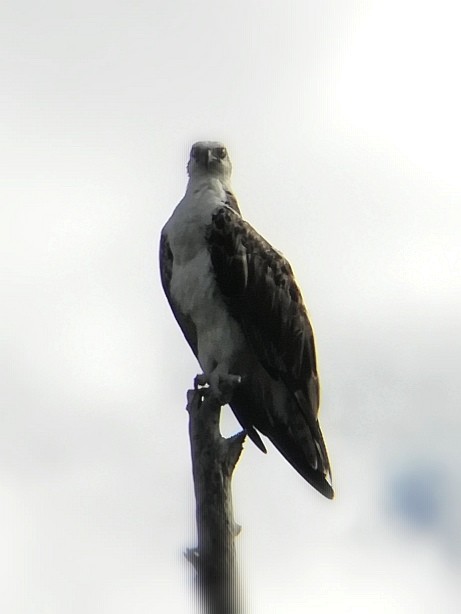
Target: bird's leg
<point>226,385</point>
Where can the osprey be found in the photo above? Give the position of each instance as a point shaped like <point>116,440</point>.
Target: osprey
<point>241,311</point>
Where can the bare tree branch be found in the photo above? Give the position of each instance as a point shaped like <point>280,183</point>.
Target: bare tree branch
<point>213,462</point>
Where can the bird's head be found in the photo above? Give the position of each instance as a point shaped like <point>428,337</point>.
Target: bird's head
<point>209,158</point>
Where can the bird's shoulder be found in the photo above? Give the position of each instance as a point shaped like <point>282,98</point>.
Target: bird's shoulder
<point>230,233</point>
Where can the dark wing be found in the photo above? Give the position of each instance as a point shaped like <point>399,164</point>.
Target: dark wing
<point>166,269</point>
<point>258,286</point>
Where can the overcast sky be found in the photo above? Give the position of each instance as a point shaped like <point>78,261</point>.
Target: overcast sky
<point>342,121</point>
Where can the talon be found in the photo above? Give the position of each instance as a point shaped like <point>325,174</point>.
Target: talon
<point>200,381</point>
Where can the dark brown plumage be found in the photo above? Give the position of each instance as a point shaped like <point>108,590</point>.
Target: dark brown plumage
<point>259,288</point>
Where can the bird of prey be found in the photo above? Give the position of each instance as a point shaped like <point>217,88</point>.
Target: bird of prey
<point>237,302</point>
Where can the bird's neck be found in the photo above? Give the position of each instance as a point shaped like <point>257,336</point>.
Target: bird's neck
<point>217,184</point>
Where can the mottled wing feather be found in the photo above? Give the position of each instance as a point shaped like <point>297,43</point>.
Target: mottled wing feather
<point>258,285</point>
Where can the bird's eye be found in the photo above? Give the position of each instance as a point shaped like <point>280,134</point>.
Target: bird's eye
<point>221,152</point>
<point>193,152</point>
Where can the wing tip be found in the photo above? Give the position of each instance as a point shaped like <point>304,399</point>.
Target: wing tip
<point>256,439</point>
<point>315,476</point>
<point>318,480</point>
<point>325,489</point>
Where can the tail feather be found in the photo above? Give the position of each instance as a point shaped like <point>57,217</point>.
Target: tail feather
<point>295,455</point>
<point>293,431</point>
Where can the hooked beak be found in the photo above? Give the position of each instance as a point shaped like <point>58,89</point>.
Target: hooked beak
<point>205,157</point>
<point>208,157</point>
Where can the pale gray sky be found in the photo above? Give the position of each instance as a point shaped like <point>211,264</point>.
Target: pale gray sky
<point>342,120</point>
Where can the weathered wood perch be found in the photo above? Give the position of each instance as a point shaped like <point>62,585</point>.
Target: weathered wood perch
<point>213,461</point>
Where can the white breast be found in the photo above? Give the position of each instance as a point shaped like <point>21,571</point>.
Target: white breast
<point>193,286</point>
